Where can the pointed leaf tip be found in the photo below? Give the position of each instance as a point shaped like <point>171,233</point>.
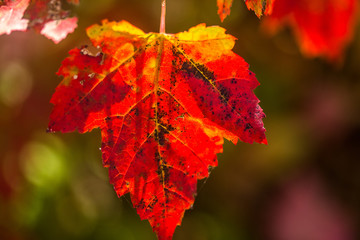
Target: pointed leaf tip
<point>224,8</point>
<point>260,7</point>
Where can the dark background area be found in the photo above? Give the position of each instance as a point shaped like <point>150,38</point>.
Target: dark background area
<point>303,185</point>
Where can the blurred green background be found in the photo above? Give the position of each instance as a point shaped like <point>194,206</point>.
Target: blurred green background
<point>303,185</point>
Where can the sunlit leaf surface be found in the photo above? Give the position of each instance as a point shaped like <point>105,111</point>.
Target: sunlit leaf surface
<point>164,104</point>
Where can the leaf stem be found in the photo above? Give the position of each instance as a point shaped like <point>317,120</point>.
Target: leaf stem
<point>162,18</point>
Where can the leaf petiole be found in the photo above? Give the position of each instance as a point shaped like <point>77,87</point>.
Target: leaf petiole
<point>162,18</point>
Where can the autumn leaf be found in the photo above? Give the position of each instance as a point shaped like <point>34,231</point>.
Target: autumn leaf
<point>164,104</point>
<point>57,30</point>
<point>260,7</point>
<point>50,19</point>
<point>224,8</point>
<point>45,16</point>
<point>11,13</point>
<point>322,27</point>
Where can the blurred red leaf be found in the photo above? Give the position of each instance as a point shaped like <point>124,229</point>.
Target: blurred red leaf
<point>11,13</point>
<point>48,18</point>
<point>45,16</point>
<point>260,7</point>
<point>322,27</point>
<point>57,30</point>
<point>224,8</point>
<point>163,103</point>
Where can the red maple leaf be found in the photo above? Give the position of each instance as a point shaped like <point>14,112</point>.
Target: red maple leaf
<point>260,7</point>
<point>322,27</point>
<point>163,103</point>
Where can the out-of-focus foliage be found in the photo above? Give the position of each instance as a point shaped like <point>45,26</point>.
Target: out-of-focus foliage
<point>260,7</point>
<point>11,13</point>
<point>323,28</point>
<point>52,186</point>
<point>44,16</point>
<point>224,8</point>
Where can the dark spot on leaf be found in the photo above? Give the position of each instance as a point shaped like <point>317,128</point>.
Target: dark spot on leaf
<point>197,70</point>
